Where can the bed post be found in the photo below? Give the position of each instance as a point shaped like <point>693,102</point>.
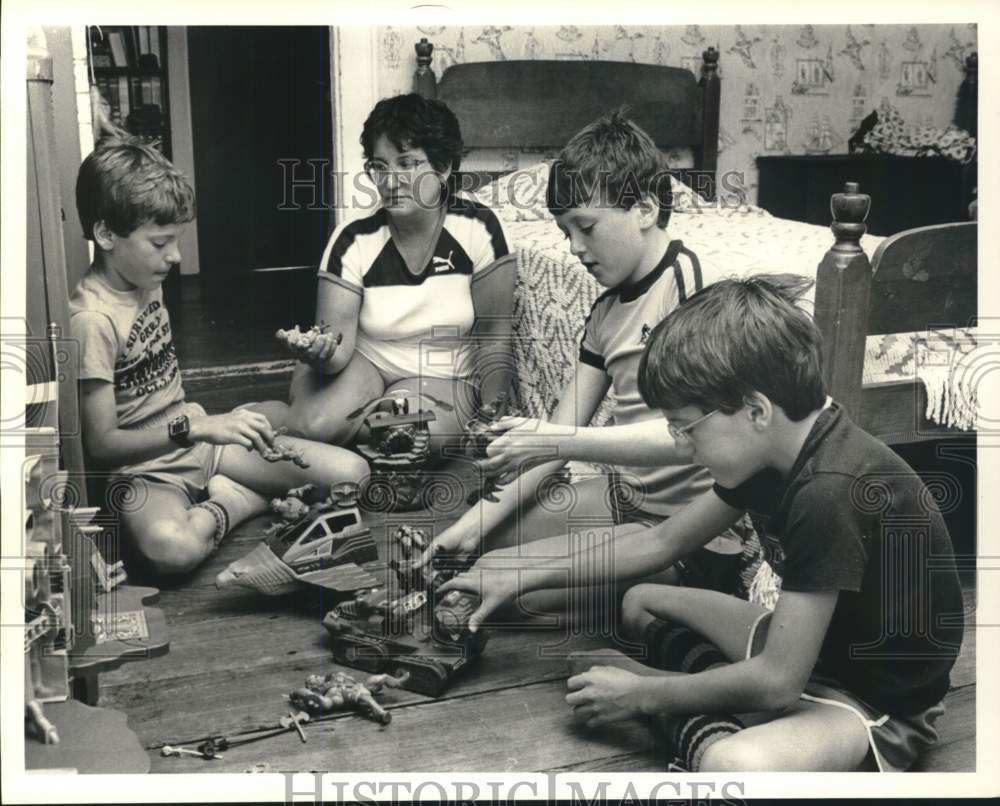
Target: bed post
<point>424,81</point>
<point>967,105</point>
<point>843,282</point>
<point>710,90</point>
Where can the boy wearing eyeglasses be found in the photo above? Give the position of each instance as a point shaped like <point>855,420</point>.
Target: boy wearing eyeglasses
<point>851,667</point>
<point>610,194</point>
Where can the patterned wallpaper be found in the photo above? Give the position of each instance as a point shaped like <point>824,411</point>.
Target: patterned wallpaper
<point>786,89</point>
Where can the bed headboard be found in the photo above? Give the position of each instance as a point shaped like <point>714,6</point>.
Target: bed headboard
<point>542,103</point>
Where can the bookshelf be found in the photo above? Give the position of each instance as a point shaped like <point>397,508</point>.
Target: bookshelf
<point>130,70</point>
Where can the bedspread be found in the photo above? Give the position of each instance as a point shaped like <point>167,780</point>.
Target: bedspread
<point>554,295</point>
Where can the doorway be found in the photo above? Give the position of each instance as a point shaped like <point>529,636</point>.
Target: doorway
<point>261,119</point>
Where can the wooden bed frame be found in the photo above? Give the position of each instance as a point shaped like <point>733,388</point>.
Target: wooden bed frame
<point>541,104</point>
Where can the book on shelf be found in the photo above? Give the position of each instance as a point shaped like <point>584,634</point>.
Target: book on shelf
<point>116,43</point>
<point>123,99</point>
<point>154,43</point>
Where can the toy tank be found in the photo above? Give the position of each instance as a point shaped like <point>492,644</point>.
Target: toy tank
<point>404,636</point>
<point>398,630</point>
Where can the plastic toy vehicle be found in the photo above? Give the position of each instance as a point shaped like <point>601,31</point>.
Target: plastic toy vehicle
<point>397,450</point>
<point>405,637</point>
<point>398,630</point>
<point>323,547</point>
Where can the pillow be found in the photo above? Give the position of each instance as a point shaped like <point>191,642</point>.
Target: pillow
<point>518,196</point>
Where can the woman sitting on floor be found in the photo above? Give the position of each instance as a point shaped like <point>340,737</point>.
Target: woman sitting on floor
<point>408,296</point>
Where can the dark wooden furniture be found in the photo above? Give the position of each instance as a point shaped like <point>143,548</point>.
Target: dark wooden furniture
<point>906,192</point>
<point>543,103</point>
<point>916,280</point>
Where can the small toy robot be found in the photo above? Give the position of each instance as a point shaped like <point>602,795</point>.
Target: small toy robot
<point>398,450</point>
<point>480,431</point>
<point>298,340</point>
<point>324,547</point>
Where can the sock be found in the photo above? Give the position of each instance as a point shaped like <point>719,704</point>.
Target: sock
<point>221,519</point>
<point>693,735</point>
<point>239,501</point>
<point>677,648</point>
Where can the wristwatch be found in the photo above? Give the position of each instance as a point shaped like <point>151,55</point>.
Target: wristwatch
<point>178,430</point>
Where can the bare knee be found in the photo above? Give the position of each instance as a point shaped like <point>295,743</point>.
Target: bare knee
<point>171,547</point>
<point>636,607</point>
<point>353,467</point>
<point>736,754</point>
<point>320,426</point>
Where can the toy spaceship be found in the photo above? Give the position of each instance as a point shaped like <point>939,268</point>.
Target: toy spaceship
<point>323,547</point>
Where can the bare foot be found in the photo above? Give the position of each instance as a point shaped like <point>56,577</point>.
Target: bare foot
<point>580,662</point>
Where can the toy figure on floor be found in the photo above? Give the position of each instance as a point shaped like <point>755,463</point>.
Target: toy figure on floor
<point>323,547</point>
<point>336,691</point>
<point>398,627</point>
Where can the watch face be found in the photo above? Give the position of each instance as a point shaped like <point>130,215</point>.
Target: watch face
<point>179,426</point>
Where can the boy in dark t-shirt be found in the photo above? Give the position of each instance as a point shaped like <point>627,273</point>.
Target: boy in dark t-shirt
<point>852,664</point>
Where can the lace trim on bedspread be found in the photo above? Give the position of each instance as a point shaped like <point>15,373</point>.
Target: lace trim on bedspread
<point>944,361</point>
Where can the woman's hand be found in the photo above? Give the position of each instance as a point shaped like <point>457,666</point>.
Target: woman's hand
<point>243,427</point>
<point>524,442</point>
<point>314,348</point>
<point>606,694</point>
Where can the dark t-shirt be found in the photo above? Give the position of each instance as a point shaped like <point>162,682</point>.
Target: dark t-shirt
<point>854,517</point>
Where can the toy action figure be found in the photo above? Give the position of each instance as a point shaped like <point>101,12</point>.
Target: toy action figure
<point>324,695</point>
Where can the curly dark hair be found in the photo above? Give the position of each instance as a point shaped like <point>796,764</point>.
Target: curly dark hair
<point>412,121</point>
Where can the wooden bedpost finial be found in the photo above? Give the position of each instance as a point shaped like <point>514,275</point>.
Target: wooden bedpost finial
<point>424,81</point>
<point>849,210</point>
<point>710,61</point>
<point>972,66</point>
<point>843,283</point>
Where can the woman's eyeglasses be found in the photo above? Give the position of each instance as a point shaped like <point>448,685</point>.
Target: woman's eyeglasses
<point>403,170</point>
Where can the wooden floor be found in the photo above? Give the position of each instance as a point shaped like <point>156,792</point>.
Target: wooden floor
<point>234,654</point>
